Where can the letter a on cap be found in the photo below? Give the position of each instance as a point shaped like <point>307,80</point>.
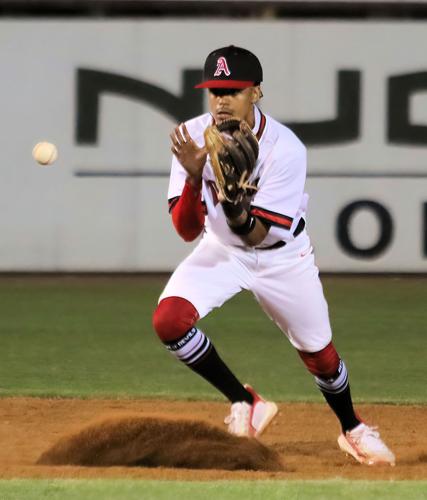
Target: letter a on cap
<point>222,67</point>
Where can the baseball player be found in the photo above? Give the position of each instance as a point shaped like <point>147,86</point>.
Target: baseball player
<point>258,244</point>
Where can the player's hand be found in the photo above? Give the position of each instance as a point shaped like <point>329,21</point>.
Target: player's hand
<point>188,153</point>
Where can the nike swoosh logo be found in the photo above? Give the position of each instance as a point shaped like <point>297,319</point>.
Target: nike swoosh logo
<point>303,254</point>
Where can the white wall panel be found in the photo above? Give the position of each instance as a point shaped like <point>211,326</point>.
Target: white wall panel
<point>52,219</point>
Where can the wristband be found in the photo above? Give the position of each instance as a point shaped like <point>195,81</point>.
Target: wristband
<point>244,228</point>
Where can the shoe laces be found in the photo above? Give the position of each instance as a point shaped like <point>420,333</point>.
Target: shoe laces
<point>240,412</point>
<point>371,437</point>
<point>366,432</point>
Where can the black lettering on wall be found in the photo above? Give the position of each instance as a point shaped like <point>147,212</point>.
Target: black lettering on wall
<point>343,229</point>
<point>400,90</point>
<point>91,84</point>
<point>346,125</point>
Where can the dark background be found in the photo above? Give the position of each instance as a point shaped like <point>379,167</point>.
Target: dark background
<point>202,8</point>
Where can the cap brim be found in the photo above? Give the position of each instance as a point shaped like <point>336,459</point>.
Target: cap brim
<point>224,84</point>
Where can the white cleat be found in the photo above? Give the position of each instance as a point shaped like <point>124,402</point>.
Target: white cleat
<point>365,445</point>
<point>250,420</point>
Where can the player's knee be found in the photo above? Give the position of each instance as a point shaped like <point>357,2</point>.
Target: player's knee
<point>324,363</point>
<point>173,317</point>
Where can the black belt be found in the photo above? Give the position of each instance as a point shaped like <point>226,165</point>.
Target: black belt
<point>279,244</point>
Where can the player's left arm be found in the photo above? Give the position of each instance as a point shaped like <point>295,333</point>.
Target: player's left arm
<point>251,229</point>
<point>277,200</point>
<point>281,190</point>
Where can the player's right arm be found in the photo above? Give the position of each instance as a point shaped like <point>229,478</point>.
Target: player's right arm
<point>186,178</point>
<point>188,153</point>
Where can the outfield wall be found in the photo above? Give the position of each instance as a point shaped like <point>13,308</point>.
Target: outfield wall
<point>109,92</point>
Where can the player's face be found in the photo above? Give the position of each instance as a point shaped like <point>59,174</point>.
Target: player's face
<point>225,104</point>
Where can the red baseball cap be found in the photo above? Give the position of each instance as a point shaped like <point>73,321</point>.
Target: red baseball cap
<point>231,68</point>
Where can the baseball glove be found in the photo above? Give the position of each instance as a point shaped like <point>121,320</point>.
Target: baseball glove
<point>233,150</point>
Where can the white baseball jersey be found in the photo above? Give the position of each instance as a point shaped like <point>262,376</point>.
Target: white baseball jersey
<point>284,280</point>
<point>279,175</point>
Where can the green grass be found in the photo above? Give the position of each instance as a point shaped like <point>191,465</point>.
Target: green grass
<point>68,337</point>
<point>224,490</point>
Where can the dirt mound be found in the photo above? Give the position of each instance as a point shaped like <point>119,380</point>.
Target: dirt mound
<point>151,442</point>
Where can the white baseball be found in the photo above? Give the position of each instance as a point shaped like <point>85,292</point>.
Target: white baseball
<point>45,153</point>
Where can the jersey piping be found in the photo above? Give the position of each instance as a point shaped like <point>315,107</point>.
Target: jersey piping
<point>273,218</point>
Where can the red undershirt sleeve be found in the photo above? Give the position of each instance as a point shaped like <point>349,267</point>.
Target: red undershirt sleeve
<point>188,214</point>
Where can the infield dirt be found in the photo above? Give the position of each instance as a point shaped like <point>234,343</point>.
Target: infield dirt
<point>303,434</point>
